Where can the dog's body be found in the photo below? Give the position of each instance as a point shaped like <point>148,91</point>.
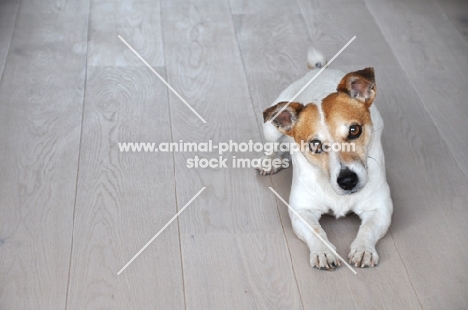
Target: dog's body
<point>334,108</point>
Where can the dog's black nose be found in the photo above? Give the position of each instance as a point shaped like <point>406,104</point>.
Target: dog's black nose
<point>347,179</point>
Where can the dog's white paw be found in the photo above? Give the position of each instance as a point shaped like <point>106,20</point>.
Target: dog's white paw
<point>267,170</point>
<point>265,165</point>
<point>324,260</point>
<point>362,256</point>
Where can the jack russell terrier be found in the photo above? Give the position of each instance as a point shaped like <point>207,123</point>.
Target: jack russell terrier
<point>335,108</point>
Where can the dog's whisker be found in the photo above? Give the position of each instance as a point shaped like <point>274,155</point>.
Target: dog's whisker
<point>372,158</point>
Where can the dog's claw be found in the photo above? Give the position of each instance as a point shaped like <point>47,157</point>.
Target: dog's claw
<point>263,171</point>
<point>324,261</point>
<point>363,258</point>
<point>267,169</point>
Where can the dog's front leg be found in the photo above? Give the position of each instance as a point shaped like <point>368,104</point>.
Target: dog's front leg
<point>320,255</point>
<point>374,226</point>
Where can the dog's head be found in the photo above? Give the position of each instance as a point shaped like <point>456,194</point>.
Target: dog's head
<point>337,131</point>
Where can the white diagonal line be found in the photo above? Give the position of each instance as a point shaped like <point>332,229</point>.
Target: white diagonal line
<point>160,231</point>
<point>160,77</point>
<point>308,83</point>
<point>311,229</point>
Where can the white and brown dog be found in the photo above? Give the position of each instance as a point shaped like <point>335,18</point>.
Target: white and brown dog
<point>335,108</point>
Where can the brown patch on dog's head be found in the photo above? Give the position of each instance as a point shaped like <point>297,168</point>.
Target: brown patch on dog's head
<point>344,117</point>
<point>306,130</point>
<point>347,111</point>
<point>307,124</point>
<point>300,122</point>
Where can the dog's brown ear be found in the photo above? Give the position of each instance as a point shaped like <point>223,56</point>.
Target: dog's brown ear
<point>283,118</point>
<point>359,85</point>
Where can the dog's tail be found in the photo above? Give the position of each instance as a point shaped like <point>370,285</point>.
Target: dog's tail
<point>315,59</point>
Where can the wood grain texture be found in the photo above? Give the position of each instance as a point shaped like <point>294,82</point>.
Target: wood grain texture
<point>8,11</point>
<point>264,7</point>
<point>124,199</point>
<point>235,221</point>
<point>40,125</point>
<point>59,7</point>
<point>207,71</point>
<point>274,51</point>
<point>457,12</point>
<point>430,198</point>
<point>40,54</point>
<point>238,271</point>
<point>332,24</point>
<point>5,38</point>
<point>137,22</point>
<point>436,68</point>
<point>285,56</point>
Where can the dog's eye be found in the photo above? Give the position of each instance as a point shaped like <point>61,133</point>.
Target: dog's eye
<point>315,146</point>
<point>355,132</point>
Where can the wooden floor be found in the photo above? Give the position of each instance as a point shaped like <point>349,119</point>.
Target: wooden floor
<point>74,210</point>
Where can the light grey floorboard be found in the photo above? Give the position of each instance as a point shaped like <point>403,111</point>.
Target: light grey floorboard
<point>430,198</point>
<point>136,21</point>
<point>124,199</point>
<point>5,38</point>
<point>265,7</point>
<point>457,12</point>
<point>274,51</point>
<point>272,63</point>
<point>8,12</point>
<point>238,271</point>
<point>331,24</point>
<point>234,252</point>
<point>59,7</point>
<point>40,111</point>
<point>434,56</point>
